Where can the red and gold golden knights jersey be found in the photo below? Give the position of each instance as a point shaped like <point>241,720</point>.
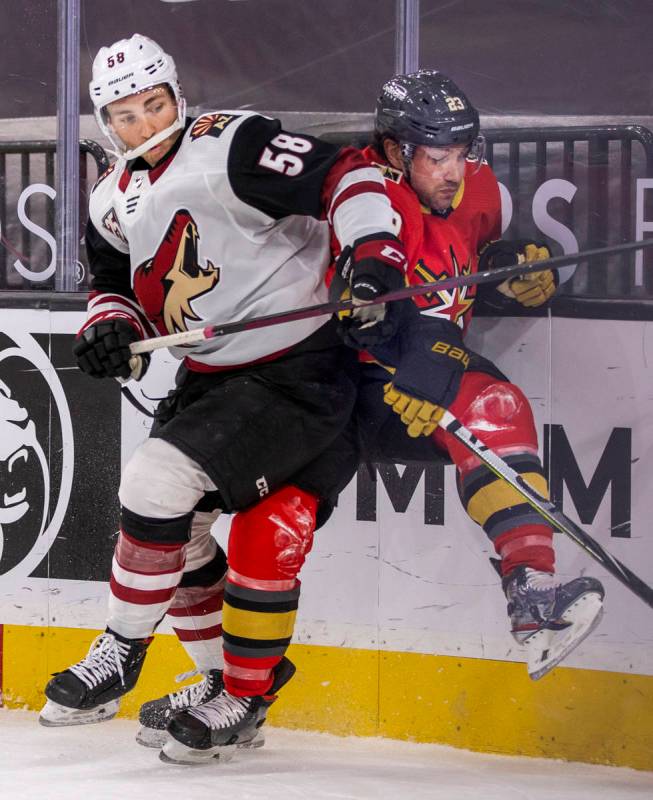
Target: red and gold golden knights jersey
<point>440,246</point>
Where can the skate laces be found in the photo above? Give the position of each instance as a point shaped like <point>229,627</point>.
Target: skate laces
<point>540,581</point>
<point>223,711</point>
<point>105,657</point>
<point>190,695</point>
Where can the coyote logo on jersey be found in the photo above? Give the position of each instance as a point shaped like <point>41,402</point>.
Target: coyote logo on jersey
<point>451,304</point>
<point>167,283</point>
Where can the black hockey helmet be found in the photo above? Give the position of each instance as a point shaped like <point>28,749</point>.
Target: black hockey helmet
<point>427,108</point>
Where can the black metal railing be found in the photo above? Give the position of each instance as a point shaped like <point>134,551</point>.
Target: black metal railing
<point>23,164</point>
<point>602,163</point>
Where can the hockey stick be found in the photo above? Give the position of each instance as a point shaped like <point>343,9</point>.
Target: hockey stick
<point>211,331</point>
<point>546,508</point>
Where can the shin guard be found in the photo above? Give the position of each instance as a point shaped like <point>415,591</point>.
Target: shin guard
<point>267,547</point>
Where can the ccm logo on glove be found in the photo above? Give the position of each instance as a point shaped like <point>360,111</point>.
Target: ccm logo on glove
<point>393,254</point>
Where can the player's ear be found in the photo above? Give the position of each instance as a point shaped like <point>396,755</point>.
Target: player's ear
<point>392,151</point>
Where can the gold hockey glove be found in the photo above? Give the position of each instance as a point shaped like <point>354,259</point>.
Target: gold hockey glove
<point>536,288</point>
<point>530,290</point>
<point>420,417</point>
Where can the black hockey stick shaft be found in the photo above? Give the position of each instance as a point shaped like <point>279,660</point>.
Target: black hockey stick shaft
<point>548,510</point>
<point>323,309</point>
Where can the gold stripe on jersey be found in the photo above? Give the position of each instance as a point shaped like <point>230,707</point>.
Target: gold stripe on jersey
<point>457,198</point>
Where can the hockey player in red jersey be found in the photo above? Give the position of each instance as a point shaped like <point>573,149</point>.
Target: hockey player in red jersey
<point>201,221</point>
<point>448,215</point>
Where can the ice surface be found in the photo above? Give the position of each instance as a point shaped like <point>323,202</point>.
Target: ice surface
<point>103,762</point>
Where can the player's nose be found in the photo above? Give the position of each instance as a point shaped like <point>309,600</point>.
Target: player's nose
<point>147,129</point>
<point>454,170</point>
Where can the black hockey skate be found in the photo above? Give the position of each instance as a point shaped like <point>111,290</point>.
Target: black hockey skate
<point>155,715</point>
<point>214,729</point>
<point>90,690</point>
<point>549,618</point>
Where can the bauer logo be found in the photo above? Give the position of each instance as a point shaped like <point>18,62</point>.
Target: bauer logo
<point>35,476</point>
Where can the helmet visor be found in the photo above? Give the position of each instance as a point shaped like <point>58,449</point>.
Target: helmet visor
<point>442,158</point>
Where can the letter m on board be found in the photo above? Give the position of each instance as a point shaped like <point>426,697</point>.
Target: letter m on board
<point>612,471</point>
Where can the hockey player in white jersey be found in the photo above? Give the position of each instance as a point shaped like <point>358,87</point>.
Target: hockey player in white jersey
<point>203,221</point>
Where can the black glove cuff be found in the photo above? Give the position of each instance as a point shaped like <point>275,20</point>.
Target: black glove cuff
<point>432,368</point>
<point>504,253</point>
<point>377,265</point>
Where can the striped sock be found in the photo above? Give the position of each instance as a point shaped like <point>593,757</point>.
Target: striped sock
<point>519,534</point>
<point>144,578</point>
<point>259,618</point>
<point>196,617</point>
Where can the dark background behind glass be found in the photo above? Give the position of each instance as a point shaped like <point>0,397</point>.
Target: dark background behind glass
<point>536,57</point>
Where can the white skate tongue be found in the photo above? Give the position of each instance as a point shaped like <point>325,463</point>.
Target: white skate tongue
<point>548,647</point>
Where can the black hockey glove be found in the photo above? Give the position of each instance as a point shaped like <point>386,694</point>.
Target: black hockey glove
<point>531,290</point>
<point>102,351</point>
<point>432,360</point>
<point>374,265</point>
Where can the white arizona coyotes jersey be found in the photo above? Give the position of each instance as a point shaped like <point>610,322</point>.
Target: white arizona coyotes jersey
<point>226,227</point>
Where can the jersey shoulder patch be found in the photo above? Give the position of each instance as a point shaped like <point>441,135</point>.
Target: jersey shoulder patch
<point>212,124</point>
<point>389,173</point>
<point>102,206</point>
<point>104,176</point>
<point>110,223</point>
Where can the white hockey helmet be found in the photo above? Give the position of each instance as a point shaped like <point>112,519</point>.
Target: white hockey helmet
<point>127,67</point>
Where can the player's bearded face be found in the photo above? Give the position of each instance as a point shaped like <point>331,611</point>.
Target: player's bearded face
<point>436,174</point>
<point>137,118</point>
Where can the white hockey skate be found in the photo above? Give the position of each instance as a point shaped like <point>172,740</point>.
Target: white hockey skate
<point>155,715</point>
<point>215,729</point>
<point>90,690</point>
<point>549,618</point>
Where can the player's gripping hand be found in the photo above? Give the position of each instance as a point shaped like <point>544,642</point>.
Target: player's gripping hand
<point>531,290</point>
<point>420,416</point>
<point>374,265</point>
<point>534,289</point>
<point>102,351</point>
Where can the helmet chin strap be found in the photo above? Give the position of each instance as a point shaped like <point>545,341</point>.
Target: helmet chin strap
<point>153,141</point>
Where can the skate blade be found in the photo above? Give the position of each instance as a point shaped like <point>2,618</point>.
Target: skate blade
<point>54,715</point>
<point>253,744</point>
<point>547,648</point>
<point>175,752</point>
<point>152,737</point>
